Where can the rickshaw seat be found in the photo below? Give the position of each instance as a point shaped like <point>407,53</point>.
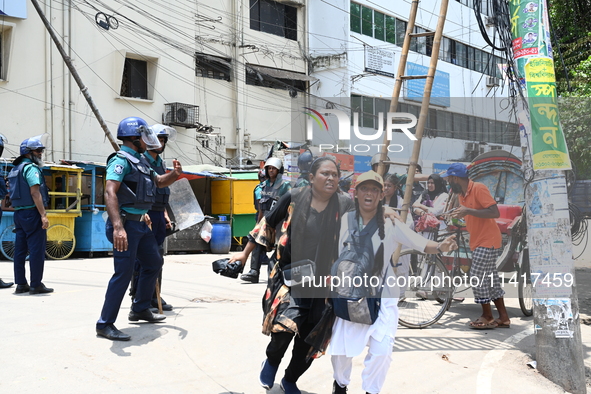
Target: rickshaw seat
<point>508,214</point>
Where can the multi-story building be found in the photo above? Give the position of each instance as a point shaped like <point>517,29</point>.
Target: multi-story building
<point>355,47</point>
<point>233,76</point>
<point>229,70</point>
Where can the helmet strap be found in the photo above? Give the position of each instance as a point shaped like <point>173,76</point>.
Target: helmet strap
<point>138,145</point>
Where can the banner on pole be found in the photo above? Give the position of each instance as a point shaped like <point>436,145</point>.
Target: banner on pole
<point>549,151</point>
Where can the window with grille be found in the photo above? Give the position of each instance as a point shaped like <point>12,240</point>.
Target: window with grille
<point>274,18</point>
<point>135,79</point>
<point>215,67</point>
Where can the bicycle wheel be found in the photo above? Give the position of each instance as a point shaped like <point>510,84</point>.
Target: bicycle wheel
<point>428,293</point>
<point>60,242</point>
<point>525,287</point>
<point>7,242</point>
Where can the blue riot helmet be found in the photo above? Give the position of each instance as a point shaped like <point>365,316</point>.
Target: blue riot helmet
<point>137,127</point>
<point>305,162</point>
<point>30,144</point>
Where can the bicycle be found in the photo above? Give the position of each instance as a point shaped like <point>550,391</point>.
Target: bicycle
<point>434,279</point>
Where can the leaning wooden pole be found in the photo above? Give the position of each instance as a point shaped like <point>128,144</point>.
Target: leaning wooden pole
<point>422,117</point>
<point>398,83</point>
<point>77,78</point>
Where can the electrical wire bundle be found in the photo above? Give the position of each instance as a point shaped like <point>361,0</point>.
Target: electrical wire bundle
<point>579,227</point>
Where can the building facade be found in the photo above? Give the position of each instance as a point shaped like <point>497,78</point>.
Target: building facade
<point>234,76</point>
<point>223,73</point>
<point>355,49</point>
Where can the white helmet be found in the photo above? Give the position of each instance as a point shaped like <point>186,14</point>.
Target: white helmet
<point>164,131</point>
<point>274,162</point>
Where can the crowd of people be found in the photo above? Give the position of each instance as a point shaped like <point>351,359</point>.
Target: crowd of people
<point>315,223</point>
<point>315,227</point>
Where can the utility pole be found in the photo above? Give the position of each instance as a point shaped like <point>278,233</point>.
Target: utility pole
<point>559,351</point>
<point>77,78</point>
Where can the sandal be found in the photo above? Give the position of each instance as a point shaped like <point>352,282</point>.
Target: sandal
<point>500,324</point>
<point>479,324</point>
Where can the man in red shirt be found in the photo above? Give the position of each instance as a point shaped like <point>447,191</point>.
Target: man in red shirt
<point>480,210</point>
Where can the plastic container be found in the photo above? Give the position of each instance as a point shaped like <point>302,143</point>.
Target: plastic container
<point>221,237</point>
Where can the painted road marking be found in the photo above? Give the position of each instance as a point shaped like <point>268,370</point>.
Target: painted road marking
<point>493,358</point>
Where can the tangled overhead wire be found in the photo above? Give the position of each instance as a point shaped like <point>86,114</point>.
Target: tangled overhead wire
<point>579,227</point>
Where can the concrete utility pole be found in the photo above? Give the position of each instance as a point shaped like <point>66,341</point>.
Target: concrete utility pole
<point>77,78</point>
<point>559,351</point>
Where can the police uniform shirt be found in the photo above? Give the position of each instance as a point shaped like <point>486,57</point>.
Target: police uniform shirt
<point>32,175</point>
<point>157,162</point>
<point>118,167</point>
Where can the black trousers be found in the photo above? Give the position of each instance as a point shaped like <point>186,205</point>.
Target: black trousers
<point>278,346</point>
<point>258,257</point>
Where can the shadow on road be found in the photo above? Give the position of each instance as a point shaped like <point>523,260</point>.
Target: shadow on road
<point>142,334</point>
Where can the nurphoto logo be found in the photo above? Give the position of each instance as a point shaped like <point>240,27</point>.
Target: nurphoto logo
<point>393,121</point>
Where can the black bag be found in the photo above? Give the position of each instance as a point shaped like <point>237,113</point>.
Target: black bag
<point>231,270</point>
<point>354,298</point>
<point>299,273</point>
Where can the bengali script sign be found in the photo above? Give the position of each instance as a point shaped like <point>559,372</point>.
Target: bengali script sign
<point>549,151</point>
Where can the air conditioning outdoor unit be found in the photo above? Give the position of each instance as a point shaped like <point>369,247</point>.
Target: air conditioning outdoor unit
<point>470,146</point>
<point>179,114</point>
<point>490,21</point>
<point>492,82</point>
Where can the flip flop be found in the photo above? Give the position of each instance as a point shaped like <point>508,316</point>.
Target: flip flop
<point>500,324</point>
<point>480,325</point>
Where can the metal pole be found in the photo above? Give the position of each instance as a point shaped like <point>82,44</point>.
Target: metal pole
<point>559,350</point>
<point>83,88</point>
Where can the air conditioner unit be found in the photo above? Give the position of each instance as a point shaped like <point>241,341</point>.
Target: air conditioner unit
<point>490,21</point>
<point>492,82</point>
<point>179,114</point>
<point>471,146</point>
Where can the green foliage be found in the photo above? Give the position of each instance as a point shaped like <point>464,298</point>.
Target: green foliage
<point>571,21</point>
<point>575,118</point>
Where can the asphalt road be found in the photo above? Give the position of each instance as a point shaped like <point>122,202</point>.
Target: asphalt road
<point>211,343</point>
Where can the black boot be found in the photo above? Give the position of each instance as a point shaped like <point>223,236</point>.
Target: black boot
<point>251,276</point>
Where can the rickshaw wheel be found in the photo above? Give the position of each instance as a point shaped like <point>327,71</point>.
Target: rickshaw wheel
<point>7,242</point>
<point>60,242</point>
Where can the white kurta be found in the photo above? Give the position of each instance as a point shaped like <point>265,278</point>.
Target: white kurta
<point>349,339</point>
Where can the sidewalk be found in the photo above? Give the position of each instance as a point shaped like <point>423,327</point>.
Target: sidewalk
<point>211,343</point>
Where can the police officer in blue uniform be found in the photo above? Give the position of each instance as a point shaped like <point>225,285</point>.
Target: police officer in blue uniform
<point>29,196</point>
<point>158,214</point>
<point>130,192</point>
<point>304,164</point>
<point>3,193</point>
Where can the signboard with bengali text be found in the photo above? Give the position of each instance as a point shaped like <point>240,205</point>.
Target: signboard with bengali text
<point>379,61</point>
